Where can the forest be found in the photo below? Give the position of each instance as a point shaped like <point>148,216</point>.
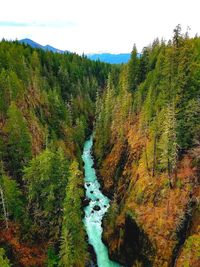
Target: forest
<point>145,119</point>
<point>46,112</point>
<point>147,146</point>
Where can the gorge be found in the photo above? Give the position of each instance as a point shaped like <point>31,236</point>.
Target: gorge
<point>93,218</point>
<point>145,119</point>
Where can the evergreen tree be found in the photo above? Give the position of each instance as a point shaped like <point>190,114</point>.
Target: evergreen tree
<point>46,177</point>
<point>177,38</point>
<point>11,199</point>
<point>133,70</point>
<point>104,119</point>
<point>18,147</point>
<point>169,141</point>
<point>4,93</point>
<point>73,251</point>
<point>143,65</point>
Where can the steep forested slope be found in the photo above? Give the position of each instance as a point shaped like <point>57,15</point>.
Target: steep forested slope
<point>147,143</point>
<point>147,149</point>
<point>46,111</point>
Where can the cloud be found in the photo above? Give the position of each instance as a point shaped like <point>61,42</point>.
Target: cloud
<point>96,25</point>
<point>13,24</point>
<point>52,24</point>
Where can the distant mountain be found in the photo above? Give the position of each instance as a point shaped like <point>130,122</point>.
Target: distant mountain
<point>36,45</point>
<point>110,58</point>
<point>53,49</point>
<point>31,43</point>
<point>104,57</point>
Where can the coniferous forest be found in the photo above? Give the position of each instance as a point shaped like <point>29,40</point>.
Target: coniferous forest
<point>47,104</point>
<point>145,120</point>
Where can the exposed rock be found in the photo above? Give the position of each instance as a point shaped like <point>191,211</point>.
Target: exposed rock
<point>136,247</point>
<point>182,231</point>
<point>96,207</point>
<point>85,202</point>
<point>93,260</point>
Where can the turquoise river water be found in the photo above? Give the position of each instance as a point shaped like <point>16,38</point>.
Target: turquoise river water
<point>93,218</point>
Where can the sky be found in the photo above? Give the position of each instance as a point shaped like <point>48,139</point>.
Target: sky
<point>94,26</point>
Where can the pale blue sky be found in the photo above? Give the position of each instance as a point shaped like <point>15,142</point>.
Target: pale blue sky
<point>91,26</point>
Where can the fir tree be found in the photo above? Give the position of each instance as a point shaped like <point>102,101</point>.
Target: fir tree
<point>73,250</point>
<point>18,147</point>
<point>133,70</point>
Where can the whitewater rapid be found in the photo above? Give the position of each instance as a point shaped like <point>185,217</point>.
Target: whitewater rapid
<point>93,218</point>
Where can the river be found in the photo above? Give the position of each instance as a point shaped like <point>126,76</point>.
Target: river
<point>93,218</point>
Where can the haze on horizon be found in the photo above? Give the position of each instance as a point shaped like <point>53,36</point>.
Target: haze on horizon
<point>92,26</point>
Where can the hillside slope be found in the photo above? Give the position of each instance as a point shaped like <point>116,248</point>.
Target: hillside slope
<point>147,150</point>
<point>46,112</point>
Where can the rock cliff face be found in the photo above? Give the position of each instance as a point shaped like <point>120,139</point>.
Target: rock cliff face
<point>135,245</point>
<point>153,220</point>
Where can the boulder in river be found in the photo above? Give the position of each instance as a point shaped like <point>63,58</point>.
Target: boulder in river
<point>88,185</point>
<point>91,192</point>
<point>96,207</point>
<point>86,202</point>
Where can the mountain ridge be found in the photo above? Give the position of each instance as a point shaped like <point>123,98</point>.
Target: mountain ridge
<point>47,47</point>
<point>104,57</point>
